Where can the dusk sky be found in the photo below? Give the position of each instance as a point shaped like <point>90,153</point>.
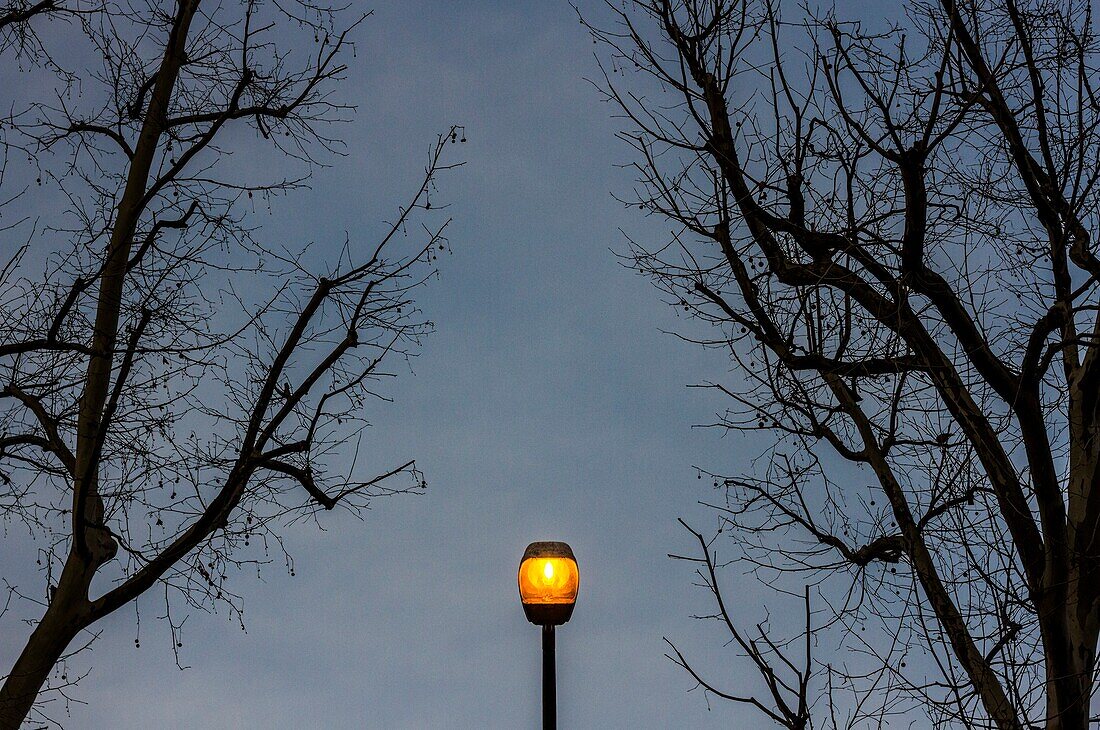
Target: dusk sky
<point>550,404</point>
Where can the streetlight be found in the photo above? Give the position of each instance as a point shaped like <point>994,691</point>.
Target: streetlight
<point>548,583</point>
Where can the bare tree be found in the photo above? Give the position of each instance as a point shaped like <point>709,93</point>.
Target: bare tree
<point>890,229</point>
<point>787,701</point>
<point>16,29</point>
<point>173,390</point>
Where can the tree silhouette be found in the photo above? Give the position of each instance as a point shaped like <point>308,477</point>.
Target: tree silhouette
<point>891,232</point>
<point>172,388</point>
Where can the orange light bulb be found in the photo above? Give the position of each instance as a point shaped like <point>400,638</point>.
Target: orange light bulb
<point>548,582</point>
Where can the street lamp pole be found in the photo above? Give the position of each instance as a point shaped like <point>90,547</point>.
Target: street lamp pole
<point>548,584</point>
<point>549,680</point>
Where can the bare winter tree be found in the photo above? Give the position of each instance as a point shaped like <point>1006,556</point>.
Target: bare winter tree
<point>173,390</point>
<point>891,229</point>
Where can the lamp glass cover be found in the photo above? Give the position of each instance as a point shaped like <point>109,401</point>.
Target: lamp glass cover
<point>548,579</point>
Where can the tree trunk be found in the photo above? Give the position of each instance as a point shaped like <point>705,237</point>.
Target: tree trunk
<point>1068,702</point>
<point>66,615</point>
<point>1070,681</point>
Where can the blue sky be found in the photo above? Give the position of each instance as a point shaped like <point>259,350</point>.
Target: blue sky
<point>547,406</point>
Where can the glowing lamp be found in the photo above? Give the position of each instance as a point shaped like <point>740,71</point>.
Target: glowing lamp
<point>548,583</point>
